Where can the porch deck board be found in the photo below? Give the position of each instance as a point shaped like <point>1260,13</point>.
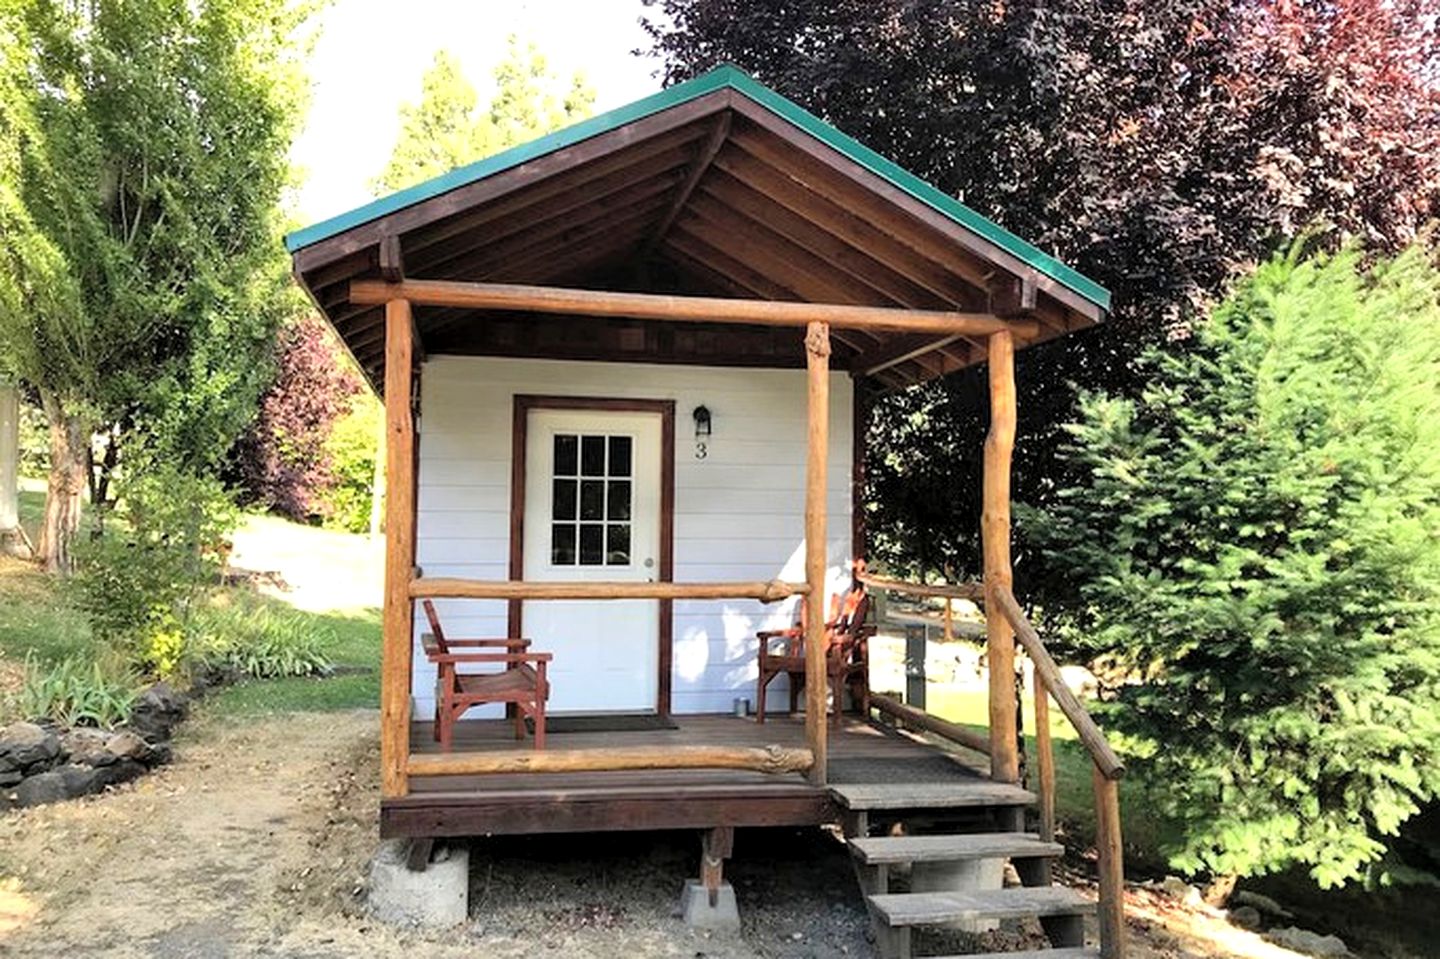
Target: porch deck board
<point>860,752</point>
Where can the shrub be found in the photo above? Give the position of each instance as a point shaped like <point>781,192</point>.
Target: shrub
<point>139,580</point>
<point>260,642</point>
<point>78,691</point>
<point>282,461</point>
<point>1256,545</point>
<point>352,448</point>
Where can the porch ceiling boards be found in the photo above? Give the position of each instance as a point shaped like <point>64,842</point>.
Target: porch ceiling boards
<point>717,187</point>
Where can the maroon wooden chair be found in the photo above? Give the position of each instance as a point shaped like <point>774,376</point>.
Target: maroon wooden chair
<point>522,682</point>
<point>847,654</point>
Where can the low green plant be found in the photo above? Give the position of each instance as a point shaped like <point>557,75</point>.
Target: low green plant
<point>78,692</point>
<point>139,580</point>
<point>260,642</point>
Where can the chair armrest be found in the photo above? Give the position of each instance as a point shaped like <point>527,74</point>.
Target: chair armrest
<point>453,658</point>
<point>768,634</point>
<point>520,644</point>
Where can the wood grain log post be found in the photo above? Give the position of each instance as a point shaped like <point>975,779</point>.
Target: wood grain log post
<point>395,655</point>
<point>1045,759</point>
<point>716,846</point>
<point>995,539</point>
<point>817,366</point>
<point>1109,846</point>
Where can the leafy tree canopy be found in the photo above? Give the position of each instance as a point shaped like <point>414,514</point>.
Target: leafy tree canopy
<point>1254,548</point>
<point>145,151</point>
<point>446,128</point>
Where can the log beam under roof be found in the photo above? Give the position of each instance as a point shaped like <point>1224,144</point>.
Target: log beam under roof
<point>698,309</point>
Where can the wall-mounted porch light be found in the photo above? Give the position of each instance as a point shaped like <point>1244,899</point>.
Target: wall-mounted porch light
<point>702,431</point>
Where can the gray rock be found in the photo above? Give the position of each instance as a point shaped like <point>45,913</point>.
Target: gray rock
<point>157,712</point>
<point>1246,917</point>
<point>41,789</point>
<point>1310,943</point>
<point>1264,904</point>
<point>10,777</point>
<point>87,747</point>
<point>27,746</point>
<point>122,771</point>
<point>127,745</point>
<point>1181,891</point>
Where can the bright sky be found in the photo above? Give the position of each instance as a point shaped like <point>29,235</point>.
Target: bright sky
<point>371,54</point>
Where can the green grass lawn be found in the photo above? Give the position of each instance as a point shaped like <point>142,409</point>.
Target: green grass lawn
<point>39,624</point>
<point>1145,834</point>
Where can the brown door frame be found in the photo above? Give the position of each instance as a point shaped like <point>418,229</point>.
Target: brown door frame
<point>524,403</point>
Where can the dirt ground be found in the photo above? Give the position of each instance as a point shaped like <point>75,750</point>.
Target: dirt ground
<point>255,843</point>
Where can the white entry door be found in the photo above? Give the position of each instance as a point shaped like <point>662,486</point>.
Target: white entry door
<point>592,512</point>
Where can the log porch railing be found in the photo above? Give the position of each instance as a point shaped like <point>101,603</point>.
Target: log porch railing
<point>1048,684</point>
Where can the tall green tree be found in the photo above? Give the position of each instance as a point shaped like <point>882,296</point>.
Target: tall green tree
<point>447,128</point>
<point>145,150</point>
<point>1255,551</point>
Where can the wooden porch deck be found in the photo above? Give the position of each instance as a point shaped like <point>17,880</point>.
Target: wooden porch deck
<point>860,752</point>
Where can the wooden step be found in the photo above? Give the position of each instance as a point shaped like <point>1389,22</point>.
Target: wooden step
<point>1019,902</point>
<point>945,795</point>
<point>1073,952</point>
<point>883,850</point>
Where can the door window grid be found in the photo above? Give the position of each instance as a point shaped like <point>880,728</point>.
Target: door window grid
<point>591,499</point>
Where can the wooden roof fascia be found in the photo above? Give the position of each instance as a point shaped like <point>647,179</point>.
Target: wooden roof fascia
<point>616,188</point>
<point>698,168</point>
<point>803,200</point>
<point>837,251</point>
<point>884,177</point>
<point>496,176</point>
<point>531,238</point>
<point>674,143</point>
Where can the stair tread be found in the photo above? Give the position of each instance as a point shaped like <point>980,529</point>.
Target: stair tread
<point>1070,952</point>
<point>922,908</point>
<point>940,795</point>
<point>878,850</point>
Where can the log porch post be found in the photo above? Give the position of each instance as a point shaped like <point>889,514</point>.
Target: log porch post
<point>817,686</point>
<point>995,539</point>
<point>395,658</point>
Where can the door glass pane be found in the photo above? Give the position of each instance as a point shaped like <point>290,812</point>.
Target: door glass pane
<point>562,544</point>
<point>592,456</point>
<point>592,499</point>
<point>564,504</point>
<point>591,538</point>
<point>565,454</point>
<point>619,500</point>
<point>619,456</point>
<point>617,547</point>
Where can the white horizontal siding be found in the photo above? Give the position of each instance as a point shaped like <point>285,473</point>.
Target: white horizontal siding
<point>739,513</point>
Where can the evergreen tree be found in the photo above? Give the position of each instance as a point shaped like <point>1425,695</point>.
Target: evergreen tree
<point>1255,553</point>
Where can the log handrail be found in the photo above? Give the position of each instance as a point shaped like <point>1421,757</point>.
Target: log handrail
<point>437,587</point>
<point>1108,770</point>
<point>930,723</point>
<point>974,592</point>
<point>1047,671</point>
<point>768,759</point>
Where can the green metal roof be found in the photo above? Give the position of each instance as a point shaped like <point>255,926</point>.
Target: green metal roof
<point>722,77</point>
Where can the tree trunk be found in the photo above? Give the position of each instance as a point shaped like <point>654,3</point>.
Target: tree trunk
<point>12,538</point>
<point>65,488</point>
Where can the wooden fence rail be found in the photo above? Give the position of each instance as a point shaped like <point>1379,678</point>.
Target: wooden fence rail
<point>1108,770</point>
<point>920,719</point>
<point>767,759</point>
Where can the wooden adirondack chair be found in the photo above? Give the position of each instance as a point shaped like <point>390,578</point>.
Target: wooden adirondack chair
<point>847,654</point>
<point>521,682</point>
